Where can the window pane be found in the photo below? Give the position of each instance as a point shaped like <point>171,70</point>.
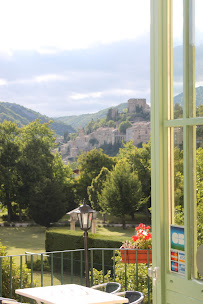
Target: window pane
<point>199,57</point>
<point>178,58</point>
<point>178,177</point>
<point>199,193</point>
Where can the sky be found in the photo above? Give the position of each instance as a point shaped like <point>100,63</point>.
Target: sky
<point>70,57</point>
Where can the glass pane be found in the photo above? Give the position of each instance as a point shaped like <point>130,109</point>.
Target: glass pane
<point>178,177</point>
<point>178,58</point>
<point>199,57</point>
<point>199,195</point>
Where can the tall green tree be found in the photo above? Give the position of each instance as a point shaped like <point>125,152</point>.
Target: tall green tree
<point>140,162</point>
<point>9,159</point>
<point>47,186</point>
<point>121,193</point>
<point>94,191</point>
<point>90,164</point>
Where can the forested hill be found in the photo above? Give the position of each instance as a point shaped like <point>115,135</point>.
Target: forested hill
<point>77,121</point>
<point>199,97</point>
<point>22,116</point>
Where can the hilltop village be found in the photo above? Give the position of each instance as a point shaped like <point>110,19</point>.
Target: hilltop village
<point>138,131</point>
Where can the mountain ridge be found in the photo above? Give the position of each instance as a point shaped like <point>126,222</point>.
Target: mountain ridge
<point>23,116</point>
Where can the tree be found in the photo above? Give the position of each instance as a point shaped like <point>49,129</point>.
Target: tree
<point>47,185</point>
<point>121,192</point>
<point>90,164</point>
<point>140,162</point>
<point>9,159</point>
<point>96,188</point>
<point>123,126</point>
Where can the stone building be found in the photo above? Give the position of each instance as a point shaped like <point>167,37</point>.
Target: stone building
<point>139,132</point>
<point>135,103</point>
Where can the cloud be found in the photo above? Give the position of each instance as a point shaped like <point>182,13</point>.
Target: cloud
<point>69,82</point>
<point>49,77</point>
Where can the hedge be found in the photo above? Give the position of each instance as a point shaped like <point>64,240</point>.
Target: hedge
<point>70,240</point>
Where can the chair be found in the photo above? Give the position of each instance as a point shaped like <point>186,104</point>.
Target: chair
<point>7,301</point>
<point>110,287</point>
<point>134,297</point>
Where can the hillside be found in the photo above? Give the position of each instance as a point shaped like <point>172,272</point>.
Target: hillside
<point>199,97</point>
<point>22,116</point>
<point>78,121</point>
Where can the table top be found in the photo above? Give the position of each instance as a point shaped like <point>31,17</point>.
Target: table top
<point>70,293</point>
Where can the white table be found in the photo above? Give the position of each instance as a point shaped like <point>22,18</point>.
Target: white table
<point>70,294</point>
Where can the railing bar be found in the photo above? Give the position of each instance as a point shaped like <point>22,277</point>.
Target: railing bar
<point>61,268</point>
<point>125,272</point>
<point>114,266</point>
<point>11,283</point>
<point>92,264</point>
<point>81,267</point>
<point>0,276</point>
<point>31,270</point>
<point>21,274</point>
<point>137,274</point>
<point>103,264</point>
<point>42,269</point>
<point>71,267</point>
<point>52,269</point>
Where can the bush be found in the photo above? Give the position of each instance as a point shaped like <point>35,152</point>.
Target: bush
<point>15,276</point>
<point>133,282</point>
<point>70,240</point>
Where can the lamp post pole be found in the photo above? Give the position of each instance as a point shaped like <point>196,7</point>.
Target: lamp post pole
<point>86,259</point>
<point>85,215</point>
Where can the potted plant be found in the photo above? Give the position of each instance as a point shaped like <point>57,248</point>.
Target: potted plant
<point>139,248</point>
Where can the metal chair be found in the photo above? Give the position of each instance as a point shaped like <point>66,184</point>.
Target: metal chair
<point>110,287</point>
<point>134,297</point>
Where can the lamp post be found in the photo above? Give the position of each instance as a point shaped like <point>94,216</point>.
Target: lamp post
<point>85,215</point>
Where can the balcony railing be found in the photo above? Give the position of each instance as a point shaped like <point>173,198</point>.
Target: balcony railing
<point>64,267</point>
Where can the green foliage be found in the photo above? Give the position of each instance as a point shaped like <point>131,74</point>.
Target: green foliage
<point>31,176</point>
<point>131,282</point>
<point>90,164</point>
<point>111,149</point>
<point>121,192</point>
<point>139,160</point>
<point>93,141</point>
<point>9,162</point>
<point>75,240</point>
<point>178,111</point>
<point>16,282</point>
<point>96,187</point>
<point>123,126</point>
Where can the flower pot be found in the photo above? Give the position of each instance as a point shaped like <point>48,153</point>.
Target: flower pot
<point>131,256</point>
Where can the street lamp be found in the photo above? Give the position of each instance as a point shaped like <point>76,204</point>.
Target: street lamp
<point>85,215</point>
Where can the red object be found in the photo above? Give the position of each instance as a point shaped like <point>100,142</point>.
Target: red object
<point>131,256</point>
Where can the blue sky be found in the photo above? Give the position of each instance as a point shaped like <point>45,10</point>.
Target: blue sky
<point>65,57</point>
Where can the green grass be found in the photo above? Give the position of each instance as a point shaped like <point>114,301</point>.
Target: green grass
<point>32,239</point>
<point>19,240</point>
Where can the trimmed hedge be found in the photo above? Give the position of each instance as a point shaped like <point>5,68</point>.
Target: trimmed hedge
<point>70,240</point>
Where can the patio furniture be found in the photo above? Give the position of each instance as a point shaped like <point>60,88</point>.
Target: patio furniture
<point>110,287</point>
<point>6,300</point>
<point>9,301</point>
<point>70,293</point>
<point>134,297</point>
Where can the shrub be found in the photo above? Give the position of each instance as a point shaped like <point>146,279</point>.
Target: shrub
<point>132,282</point>
<point>15,275</point>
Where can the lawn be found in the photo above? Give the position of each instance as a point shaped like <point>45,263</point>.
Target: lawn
<point>32,239</point>
<point>19,240</point>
